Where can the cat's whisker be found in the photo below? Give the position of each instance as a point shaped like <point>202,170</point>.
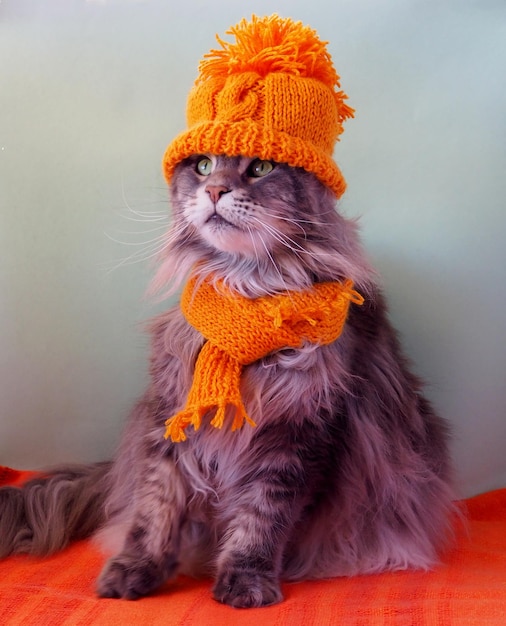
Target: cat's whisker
<point>293,245</point>
<point>146,219</point>
<point>296,249</point>
<point>135,243</point>
<point>281,237</point>
<point>273,262</point>
<point>289,220</point>
<point>155,248</point>
<point>157,229</point>
<point>139,213</point>
<point>140,256</point>
<point>255,249</point>
<point>149,211</point>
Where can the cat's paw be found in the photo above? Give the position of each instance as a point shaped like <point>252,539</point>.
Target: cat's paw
<point>246,589</point>
<point>129,577</point>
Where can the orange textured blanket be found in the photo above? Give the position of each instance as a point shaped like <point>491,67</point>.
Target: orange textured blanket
<point>469,588</point>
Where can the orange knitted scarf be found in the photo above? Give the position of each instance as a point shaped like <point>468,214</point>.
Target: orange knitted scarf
<point>240,331</point>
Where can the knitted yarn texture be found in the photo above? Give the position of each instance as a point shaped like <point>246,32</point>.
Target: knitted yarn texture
<point>272,94</point>
<point>240,331</point>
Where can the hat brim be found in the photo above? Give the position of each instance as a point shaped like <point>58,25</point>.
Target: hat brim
<point>247,138</point>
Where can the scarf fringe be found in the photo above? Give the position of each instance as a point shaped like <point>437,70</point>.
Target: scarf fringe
<point>192,416</point>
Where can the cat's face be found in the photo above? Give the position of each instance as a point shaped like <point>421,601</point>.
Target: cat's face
<point>238,205</point>
<point>263,227</point>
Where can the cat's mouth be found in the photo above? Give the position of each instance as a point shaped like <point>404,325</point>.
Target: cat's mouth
<point>219,221</point>
<point>226,236</point>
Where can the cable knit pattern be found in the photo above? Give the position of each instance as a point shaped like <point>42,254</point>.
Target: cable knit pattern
<point>241,330</point>
<point>272,94</point>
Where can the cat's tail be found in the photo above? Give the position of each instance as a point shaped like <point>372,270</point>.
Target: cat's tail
<point>46,513</point>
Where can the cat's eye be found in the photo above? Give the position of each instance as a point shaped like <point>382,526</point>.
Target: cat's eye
<point>204,166</point>
<point>259,168</point>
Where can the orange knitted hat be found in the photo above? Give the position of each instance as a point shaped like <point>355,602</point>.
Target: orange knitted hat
<point>273,94</point>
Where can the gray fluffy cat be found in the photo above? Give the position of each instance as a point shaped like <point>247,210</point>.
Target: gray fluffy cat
<point>346,471</point>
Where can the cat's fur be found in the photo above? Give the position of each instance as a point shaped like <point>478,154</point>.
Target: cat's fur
<point>347,470</point>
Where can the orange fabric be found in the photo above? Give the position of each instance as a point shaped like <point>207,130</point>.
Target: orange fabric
<point>468,589</point>
<point>242,330</point>
<point>272,94</point>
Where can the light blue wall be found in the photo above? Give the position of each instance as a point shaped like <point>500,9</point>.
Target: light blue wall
<point>91,93</point>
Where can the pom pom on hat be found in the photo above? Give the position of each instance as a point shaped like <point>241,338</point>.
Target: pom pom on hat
<point>272,94</point>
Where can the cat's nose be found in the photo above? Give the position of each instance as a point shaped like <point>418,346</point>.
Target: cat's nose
<point>216,191</point>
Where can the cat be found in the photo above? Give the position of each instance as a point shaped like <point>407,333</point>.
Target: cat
<point>347,470</point>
